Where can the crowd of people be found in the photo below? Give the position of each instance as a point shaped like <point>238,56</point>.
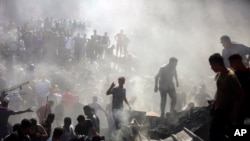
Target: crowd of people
<point>229,108</point>
<point>77,68</point>
<point>58,39</point>
<point>61,92</point>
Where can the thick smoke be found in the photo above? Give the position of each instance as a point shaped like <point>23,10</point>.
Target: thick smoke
<point>157,30</point>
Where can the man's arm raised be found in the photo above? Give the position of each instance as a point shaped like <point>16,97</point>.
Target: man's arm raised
<point>109,91</point>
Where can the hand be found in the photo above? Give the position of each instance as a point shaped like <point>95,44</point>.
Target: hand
<point>156,89</point>
<point>113,84</point>
<point>29,110</point>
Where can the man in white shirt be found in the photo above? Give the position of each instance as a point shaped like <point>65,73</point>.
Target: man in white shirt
<point>231,48</point>
<point>42,88</point>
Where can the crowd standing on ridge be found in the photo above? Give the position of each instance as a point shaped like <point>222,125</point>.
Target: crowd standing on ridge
<point>69,75</point>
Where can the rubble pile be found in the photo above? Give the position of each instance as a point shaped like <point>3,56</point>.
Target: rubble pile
<point>175,122</point>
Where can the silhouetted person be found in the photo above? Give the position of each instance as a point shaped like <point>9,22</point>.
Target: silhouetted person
<point>227,101</point>
<point>96,106</point>
<point>5,112</point>
<point>90,114</point>
<point>105,43</point>
<point>57,134</point>
<point>90,49</point>
<point>55,95</point>
<point>37,132</point>
<point>243,74</point>
<point>43,111</point>
<point>84,127</point>
<point>119,37</point>
<point>42,88</point>
<point>22,134</point>
<point>48,123</point>
<point>68,132</point>
<point>95,35</point>
<point>231,48</point>
<point>119,95</point>
<point>166,86</point>
<point>95,38</point>
<point>84,42</point>
<point>78,46</point>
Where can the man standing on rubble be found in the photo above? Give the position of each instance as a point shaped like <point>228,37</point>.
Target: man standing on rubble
<point>165,78</point>
<point>119,95</point>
